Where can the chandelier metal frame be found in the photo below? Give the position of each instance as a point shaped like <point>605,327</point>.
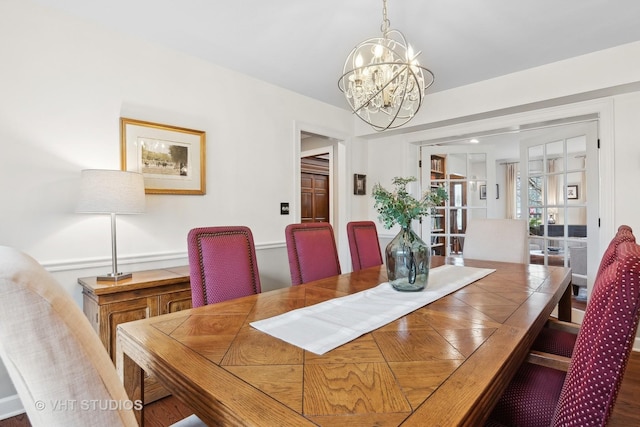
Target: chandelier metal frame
<point>382,79</point>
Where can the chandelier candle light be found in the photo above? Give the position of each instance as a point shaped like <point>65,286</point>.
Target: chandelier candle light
<point>382,79</point>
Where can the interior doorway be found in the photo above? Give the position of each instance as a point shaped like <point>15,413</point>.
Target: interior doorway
<point>466,172</point>
<point>314,188</point>
<point>556,169</point>
<point>317,178</point>
<point>312,140</point>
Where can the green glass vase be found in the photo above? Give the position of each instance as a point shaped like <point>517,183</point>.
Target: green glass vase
<point>407,261</point>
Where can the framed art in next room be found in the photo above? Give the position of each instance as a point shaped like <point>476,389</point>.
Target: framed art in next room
<point>359,184</point>
<point>170,158</point>
<point>483,192</point>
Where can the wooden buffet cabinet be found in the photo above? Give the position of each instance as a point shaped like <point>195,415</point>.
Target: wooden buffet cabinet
<point>146,294</point>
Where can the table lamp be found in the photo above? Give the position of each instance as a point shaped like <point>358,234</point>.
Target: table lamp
<point>111,192</point>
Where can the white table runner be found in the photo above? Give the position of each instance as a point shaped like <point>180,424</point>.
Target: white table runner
<point>322,327</point>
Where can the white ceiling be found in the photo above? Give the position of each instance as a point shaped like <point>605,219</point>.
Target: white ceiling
<point>301,45</point>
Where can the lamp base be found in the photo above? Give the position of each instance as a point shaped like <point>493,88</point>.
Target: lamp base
<point>114,277</point>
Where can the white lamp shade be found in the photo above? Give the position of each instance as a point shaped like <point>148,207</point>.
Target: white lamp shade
<point>111,191</point>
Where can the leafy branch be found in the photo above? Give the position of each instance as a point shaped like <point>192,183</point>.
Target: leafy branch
<point>400,207</point>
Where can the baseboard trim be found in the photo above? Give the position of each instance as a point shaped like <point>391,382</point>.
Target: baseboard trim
<point>10,406</point>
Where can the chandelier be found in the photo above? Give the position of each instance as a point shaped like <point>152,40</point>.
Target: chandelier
<point>382,80</point>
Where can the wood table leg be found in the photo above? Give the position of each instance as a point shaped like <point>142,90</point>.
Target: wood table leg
<point>132,377</point>
<point>564,306</point>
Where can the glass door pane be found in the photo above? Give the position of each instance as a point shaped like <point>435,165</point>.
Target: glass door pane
<point>463,172</point>
<point>556,201</point>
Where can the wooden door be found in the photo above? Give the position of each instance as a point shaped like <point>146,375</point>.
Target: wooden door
<point>314,190</point>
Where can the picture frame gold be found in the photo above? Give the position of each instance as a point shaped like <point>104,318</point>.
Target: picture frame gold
<point>171,159</point>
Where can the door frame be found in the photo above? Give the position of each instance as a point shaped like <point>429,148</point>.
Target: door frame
<point>338,181</point>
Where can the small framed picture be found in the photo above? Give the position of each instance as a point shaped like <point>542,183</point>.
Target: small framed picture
<point>171,159</point>
<point>572,191</point>
<point>359,184</point>
<point>483,192</point>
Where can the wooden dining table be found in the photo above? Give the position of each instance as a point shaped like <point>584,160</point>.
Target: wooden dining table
<point>444,364</point>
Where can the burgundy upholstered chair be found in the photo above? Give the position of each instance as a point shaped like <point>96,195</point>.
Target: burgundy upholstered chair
<point>585,395</point>
<point>222,264</point>
<point>560,337</point>
<point>312,252</point>
<point>364,244</point>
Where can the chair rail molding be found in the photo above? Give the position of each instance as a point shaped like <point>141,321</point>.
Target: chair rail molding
<point>174,258</point>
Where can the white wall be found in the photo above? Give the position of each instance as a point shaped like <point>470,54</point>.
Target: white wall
<point>64,84</point>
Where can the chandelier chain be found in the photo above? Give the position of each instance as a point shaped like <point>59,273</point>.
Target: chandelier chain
<point>386,24</point>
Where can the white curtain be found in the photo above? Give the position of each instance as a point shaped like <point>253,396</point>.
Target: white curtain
<point>510,191</point>
<point>552,184</point>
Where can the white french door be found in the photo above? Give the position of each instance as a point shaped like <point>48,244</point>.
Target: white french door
<point>559,197</point>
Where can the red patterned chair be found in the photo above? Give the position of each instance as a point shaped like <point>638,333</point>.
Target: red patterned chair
<point>311,248</point>
<point>560,337</point>
<point>540,395</point>
<point>222,264</point>
<point>363,244</point>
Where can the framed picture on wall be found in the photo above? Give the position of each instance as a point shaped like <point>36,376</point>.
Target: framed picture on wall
<point>171,159</point>
<point>572,191</point>
<point>359,184</point>
<point>483,192</point>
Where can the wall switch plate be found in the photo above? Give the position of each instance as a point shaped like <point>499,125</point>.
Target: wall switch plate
<point>284,208</point>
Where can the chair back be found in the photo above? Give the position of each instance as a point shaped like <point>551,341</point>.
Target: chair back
<point>578,264</point>
<point>502,240</point>
<point>363,244</point>
<point>222,264</point>
<point>606,338</point>
<point>624,234</point>
<point>600,298</point>
<point>55,359</point>
<point>311,248</point>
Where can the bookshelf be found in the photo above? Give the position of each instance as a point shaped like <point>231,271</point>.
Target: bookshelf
<point>438,218</point>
